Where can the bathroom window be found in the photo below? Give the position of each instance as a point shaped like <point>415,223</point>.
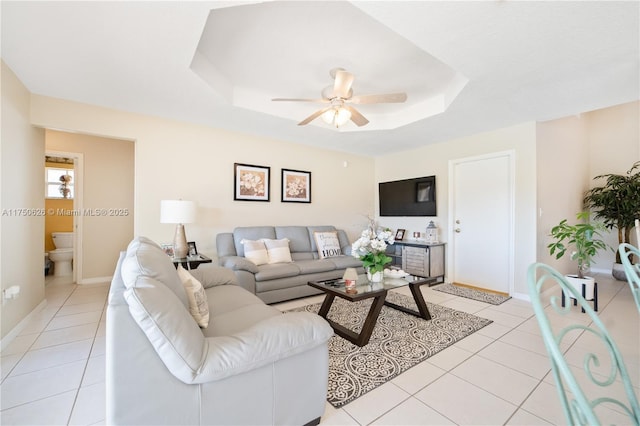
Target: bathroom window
<point>59,183</point>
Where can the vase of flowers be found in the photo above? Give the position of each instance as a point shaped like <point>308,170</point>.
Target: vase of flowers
<point>64,186</point>
<point>371,248</point>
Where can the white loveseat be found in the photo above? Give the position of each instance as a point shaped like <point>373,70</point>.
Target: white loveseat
<point>251,365</point>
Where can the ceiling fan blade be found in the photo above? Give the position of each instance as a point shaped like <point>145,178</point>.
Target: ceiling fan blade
<point>342,85</point>
<point>356,117</point>
<point>379,99</point>
<point>313,116</point>
<point>299,100</point>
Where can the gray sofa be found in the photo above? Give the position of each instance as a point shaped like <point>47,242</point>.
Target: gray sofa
<point>251,365</point>
<point>283,281</point>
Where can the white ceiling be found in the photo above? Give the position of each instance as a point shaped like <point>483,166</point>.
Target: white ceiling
<point>466,67</point>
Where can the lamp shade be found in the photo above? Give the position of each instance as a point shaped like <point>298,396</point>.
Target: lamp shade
<point>177,211</point>
<point>350,274</point>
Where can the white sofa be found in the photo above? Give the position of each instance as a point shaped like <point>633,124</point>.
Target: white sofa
<point>251,365</point>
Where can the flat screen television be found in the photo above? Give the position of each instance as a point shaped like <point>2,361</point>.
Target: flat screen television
<point>408,197</point>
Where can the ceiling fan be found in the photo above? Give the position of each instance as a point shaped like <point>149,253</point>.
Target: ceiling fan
<point>339,96</point>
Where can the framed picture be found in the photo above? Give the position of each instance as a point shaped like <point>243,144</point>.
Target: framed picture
<point>400,234</point>
<point>296,186</point>
<point>193,251</point>
<point>168,248</point>
<point>250,183</point>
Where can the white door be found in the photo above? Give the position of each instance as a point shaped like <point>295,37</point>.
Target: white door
<point>482,221</point>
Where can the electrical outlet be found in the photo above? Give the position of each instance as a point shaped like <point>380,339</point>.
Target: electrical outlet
<point>11,292</point>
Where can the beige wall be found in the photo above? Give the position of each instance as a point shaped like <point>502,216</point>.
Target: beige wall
<point>563,175</point>
<point>614,145</point>
<point>571,152</point>
<point>181,160</point>
<point>22,183</point>
<point>106,182</point>
<point>434,160</point>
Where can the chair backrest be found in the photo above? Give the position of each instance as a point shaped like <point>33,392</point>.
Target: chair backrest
<point>604,367</point>
<point>627,251</point>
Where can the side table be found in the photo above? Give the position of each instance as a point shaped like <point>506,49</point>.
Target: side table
<point>191,262</point>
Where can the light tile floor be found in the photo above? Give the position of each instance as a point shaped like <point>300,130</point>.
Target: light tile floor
<point>53,373</point>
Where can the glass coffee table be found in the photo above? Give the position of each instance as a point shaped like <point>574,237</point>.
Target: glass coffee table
<point>367,290</point>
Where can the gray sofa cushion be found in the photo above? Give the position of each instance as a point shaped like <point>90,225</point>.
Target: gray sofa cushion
<point>342,262</point>
<point>251,233</point>
<point>303,256</point>
<point>316,265</point>
<point>298,237</point>
<point>277,270</point>
<point>211,276</point>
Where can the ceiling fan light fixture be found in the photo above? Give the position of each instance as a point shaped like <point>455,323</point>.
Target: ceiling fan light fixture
<point>336,116</point>
<point>342,116</point>
<point>329,115</point>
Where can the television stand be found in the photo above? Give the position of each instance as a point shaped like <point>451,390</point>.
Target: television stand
<point>420,259</point>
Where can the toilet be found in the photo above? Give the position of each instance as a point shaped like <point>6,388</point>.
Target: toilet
<point>63,254</point>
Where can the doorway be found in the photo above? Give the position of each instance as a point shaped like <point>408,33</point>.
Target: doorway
<point>482,221</point>
<point>59,214</point>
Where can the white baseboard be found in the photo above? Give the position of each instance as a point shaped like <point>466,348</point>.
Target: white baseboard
<point>521,296</point>
<point>6,340</point>
<point>96,280</point>
<point>601,271</point>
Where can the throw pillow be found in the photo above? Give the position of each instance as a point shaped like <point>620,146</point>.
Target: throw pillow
<point>278,250</point>
<point>198,304</point>
<point>255,251</point>
<point>328,244</point>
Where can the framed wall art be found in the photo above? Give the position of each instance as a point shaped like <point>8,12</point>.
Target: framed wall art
<point>251,183</point>
<point>168,248</point>
<point>193,250</point>
<point>296,186</point>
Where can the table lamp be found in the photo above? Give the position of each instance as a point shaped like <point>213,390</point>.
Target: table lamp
<point>178,212</point>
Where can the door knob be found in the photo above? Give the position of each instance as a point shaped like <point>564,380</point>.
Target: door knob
<point>457,230</point>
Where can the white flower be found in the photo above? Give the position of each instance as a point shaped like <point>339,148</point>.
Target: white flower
<point>371,241</point>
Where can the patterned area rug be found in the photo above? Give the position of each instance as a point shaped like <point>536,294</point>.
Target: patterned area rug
<point>470,293</point>
<point>399,342</point>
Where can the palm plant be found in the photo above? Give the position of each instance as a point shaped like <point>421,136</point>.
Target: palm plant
<point>617,202</point>
<point>582,237</point>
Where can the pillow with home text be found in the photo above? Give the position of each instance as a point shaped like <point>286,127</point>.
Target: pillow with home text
<point>328,244</point>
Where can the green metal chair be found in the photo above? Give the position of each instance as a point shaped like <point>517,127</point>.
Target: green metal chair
<point>602,371</point>
<point>627,251</point>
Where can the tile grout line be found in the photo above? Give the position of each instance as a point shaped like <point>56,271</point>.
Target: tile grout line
<point>22,355</point>
<point>84,371</point>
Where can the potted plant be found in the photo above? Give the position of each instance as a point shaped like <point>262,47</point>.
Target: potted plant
<point>617,204</point>
<point>371,248</point>
<point>583,239</point>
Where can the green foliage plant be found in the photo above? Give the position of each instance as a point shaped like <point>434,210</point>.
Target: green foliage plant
<point>617,202</point>
<point>583,238</point>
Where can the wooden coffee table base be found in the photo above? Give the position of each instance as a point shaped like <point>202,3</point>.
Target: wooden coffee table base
<point>362,338</point>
